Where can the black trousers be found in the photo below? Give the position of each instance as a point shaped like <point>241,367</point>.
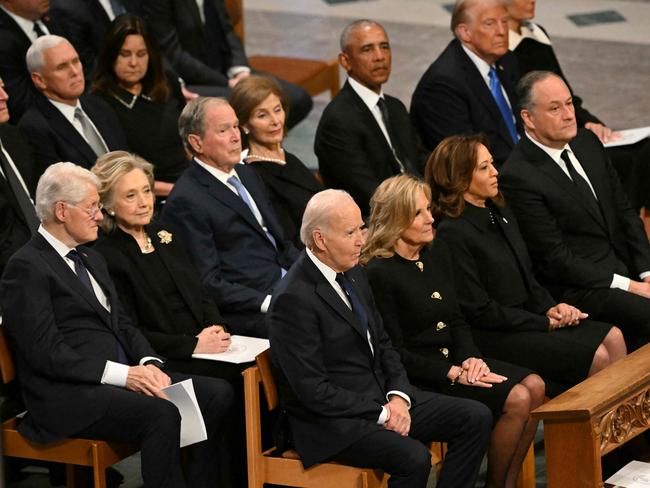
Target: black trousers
<point>629,312</point>
<point>154,425</point>
<point>300,102</point>
<point>465,426</point>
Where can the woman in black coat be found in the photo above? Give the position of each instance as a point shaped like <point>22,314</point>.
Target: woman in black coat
<point>513,317</point>
<point>413,284</point>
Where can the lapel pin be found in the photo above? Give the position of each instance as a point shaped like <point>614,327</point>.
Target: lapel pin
<point>420,266</point>
<point>436,296</point>
<point>504,219</point>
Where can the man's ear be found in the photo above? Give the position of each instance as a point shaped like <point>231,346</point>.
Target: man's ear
<point>464,33</point>
<point>527,118</point>
<point>39,81</point>
<point>319,239</point>
<point>196,142</point>
<point>344,61</point>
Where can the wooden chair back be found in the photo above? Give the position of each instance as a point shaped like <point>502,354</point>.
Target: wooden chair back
<point>7,369</point>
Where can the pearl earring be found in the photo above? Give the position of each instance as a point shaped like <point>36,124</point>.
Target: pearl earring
<point>111,213</point>
<point>246,131</point>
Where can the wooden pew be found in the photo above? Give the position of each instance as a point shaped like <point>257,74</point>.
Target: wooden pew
<point>593,418</point>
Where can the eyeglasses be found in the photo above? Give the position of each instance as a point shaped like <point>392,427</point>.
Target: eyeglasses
<point>90,211</point>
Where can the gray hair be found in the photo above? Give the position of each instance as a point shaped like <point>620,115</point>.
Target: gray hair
<point>34,56</point>
<point>526,85</point>
<point>462,12</point>
<point>192,118</point>
<point>351,27</point>
<point>319,211</point>
<point>62,182</point>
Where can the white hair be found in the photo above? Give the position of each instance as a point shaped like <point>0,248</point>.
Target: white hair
<point>62,182</point>
<point>34,56</point>
<point>319,211</point>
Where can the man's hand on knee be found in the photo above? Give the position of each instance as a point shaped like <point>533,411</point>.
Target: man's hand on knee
<point>149,380</point>
<point>399,418</point>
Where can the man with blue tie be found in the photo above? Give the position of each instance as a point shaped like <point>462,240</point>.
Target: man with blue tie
<point>226,219</point>
<point>83,368</point>
<point>470,88</point>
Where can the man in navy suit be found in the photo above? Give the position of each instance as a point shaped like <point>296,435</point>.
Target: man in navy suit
<point>470,88</point>
<point>342,383</point>
<point>227,220</point>
<point>62,124</point>
<point>83,369</point>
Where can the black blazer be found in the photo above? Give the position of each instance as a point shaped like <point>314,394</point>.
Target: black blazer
<point>55,139</point>
<point>177,26</point>
<point>331,384</point>
<point>14,231</point>
<point>452,98</point>
<point>238,264</point>
<point>571,244</point>
<point>496,286</point>
<point>61,338</point>
<point>14,44</point>
<point>144,299</point>
<point>353,153</point>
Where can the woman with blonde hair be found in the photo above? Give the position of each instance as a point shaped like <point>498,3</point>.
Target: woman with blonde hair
<point>413,284</point>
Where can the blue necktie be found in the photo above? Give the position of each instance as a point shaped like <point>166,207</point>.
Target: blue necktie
<point>84,277</point>
<point>502,103</point>
<point>357,307</point>
<point>243,194</point>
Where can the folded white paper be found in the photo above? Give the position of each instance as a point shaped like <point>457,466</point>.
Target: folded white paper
<point>633,475</point>
<point>242,350</point>
<point>192,426</point>
<point>629,136</point>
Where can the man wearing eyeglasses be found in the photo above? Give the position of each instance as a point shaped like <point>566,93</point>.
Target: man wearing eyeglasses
<point>84,370</point>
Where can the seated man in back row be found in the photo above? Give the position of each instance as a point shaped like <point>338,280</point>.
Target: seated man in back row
<point>342,383</point>
<point>84,370</point>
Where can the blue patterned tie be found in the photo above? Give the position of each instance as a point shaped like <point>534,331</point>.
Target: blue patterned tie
<point>243,194</point>
<point>502,103</point>
<point>357,307</point>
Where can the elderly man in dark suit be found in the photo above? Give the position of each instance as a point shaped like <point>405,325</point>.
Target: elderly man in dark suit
<point>62,124</point>
<point>203,49</point>
<point>227,220</point>
<point>84,370</point>
<point>587,243</point>
<point>21,23</point>
<point>342,383</point>
<point>470,88</point>
<point>364,135</point>
<point>18,220</point>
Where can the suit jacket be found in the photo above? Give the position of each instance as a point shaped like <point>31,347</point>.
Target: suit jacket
<point>571,244</point>
<point>55,139</point>
<point>331,384</point>
<point>14,231</point>
<point>14,44</point>
<point>353,153</point>
<point>146,301</point>
<point>61,338</point>
<point>452,98</point>
<point>180,32</point>
<point>238,264</point>
<point>496,286</point>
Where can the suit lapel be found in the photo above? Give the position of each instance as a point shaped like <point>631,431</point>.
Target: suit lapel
<point>254,186</point>
<point>11,25</point>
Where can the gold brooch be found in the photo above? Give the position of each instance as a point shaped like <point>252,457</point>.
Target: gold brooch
<point>165,237</point>
<point>437,296</point>
<point>420,266</point>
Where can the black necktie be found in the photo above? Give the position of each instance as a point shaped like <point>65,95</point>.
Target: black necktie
<point>581,184</point>
<point>383,108</point>
<point>39,31</point>
<point>357,307</point>
<point>23,200</point>
<point>84,277</point>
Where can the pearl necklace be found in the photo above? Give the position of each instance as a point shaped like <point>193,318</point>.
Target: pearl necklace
<point>148,247</point>
<point>266,158</point>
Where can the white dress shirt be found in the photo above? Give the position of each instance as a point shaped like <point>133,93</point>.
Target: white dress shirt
<point>370,99</point>
<point>528,29</point>
<point>68,113</point>
<point>26,25</point>
<point>330,276</point>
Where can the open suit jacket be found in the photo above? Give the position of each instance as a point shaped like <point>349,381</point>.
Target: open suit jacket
<point>55,139</point>
<point>571,244</point>
<point>452,98</point>
<point>143,297</point>
<point>331,384</point>
<point>62,337</point>
<point>238,263</point>
<point>352,151</point>
<point>14,231</point>
<point>180,32</point>
<point>14,44</point>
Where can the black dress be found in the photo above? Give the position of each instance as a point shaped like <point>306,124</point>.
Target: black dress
<point>417,302</point>
<point>504,303</point>
<point>290,187</point>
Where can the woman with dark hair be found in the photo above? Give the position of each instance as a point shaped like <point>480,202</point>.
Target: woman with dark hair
<point>513,317</point>
<point>130,76</point>
<point>413,284</point>
<point>261,108</point>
